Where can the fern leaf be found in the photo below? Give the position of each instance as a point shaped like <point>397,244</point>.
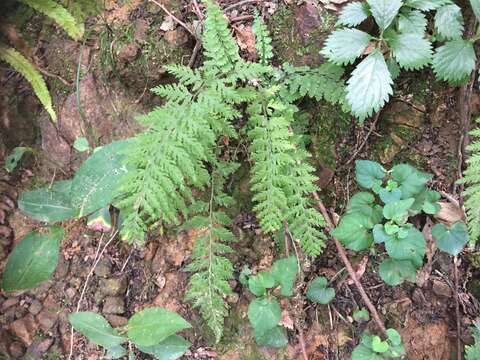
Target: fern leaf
<point>263,41</point>
<point>24,67</point>
<point>60,15</point>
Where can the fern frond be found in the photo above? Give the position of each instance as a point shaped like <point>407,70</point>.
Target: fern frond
<point>208,286</point>
<point>176,93</point>
<point>471,180</point>
<point>263,40</point>
<point>24,67</point>
<point>60,15</point>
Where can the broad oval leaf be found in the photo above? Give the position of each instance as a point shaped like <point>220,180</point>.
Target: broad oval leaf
<point>411,181</point>
<point>259,283</point>
<point>49,204</point>
<point>411,50</point>
<point>318,291</point>
<point>394,272</point>
<point>343,46</point>
<point>394,337</point>
<point>153,325</point>
<point>384,11</point>
<point>378,345</point>
<point>275,338</point>
<point>411,247</point>
<point>361,202</point>
<point>452,240</point>
<point>33,260</point>
<point>427,5</point>
<point>369,86</point>
<point>171,348</point>
<point>353,14</point>
<point>285,271</point>
<point>369,173</point>
<point>398,210</point>
<point>379,234</point>
<point>264,314</point>
<point>449,22</point>
<point>454,61</point>
<point>354,231</point>
<point>96,183</point>
<point>96,329</point>
<point>390,196</point>
<point>413,21</point>
<point>362,352</point>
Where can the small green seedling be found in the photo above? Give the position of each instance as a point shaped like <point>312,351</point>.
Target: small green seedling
<point>372,347</point>
<point>361,315</point>
<point>319,293</point>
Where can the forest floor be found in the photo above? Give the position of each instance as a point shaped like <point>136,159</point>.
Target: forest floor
<point>122,57</point>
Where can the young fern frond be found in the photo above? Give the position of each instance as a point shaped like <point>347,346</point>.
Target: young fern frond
<point>263,41</point>
<point>471,180</point>
<point>208,287</point>
<point>60,15</point>
<point>28,70</point>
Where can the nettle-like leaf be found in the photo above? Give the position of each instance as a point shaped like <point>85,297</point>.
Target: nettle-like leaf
<point>451,240</point>
<point>398,210</point>
<point>411,50</point>
<point>449,22</point>
<point>394,272</point>
<point>96,329</point>
<point>384,11</point>
<point>413,21</point>
<point>353,14</point>
<point>33,260</point>
<point>318,291</point>
<point>344,46</point>
<point>369,86</point>
<point>389,196</point>
<point>475,4</point>
<point>454,61</point>
<point>151,326</point>
<point>427,5</point>
<point>379,234</point>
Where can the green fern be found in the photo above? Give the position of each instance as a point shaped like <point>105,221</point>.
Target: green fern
<point>263,41</point>
<point>60,15</point>
<point>24,67</point>
<point>471,180</point>
<point>208,286</point>
<point>472,352</point>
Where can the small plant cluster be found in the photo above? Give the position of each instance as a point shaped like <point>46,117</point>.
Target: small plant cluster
<point>472,352</point>
<point>372,347</point>
<point>400,40</point>
<point>152,331</point>
<point>381,216</point>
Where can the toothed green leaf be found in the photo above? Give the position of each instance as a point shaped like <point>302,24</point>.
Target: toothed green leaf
<point>475,4</point>
<point>370,86</point>
<point>454,61</point>
<point>411,50</point>
<point>384,11</point>
<point>427,5</point>
<point>449,22</point>
<point>413,21</point>
<point>342,47</point>
<point>353,14</point>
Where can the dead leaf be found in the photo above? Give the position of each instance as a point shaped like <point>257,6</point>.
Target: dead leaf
<point>286,320</point>
<point>449,213</point>
<point>246,41</point>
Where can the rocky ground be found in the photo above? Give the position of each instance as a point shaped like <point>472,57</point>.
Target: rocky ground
<point>122,57</point>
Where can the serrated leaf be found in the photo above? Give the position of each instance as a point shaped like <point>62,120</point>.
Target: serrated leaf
<point>264,314</point>
<point>369,173</point>
<point>454,61</point>
<point>449,22</point>
<point>353,14</point>
<point>96,329</point>
<point>410,181</point>
<point>275,338</point>
<point>343,46</point>
<point>97,182</point>
<point>49,204</point>
<point>27,69</point>
<point>398,210</point>
<point>452,240</point>
<point>427,5</point>
<point>318,291</point>
<point>384,11</point>
<point>475,4</point>
<point>369,86</point>
<point>60,15</point>
<point>412,21</point>
<point>33,260</point>
<point>411,247</point>
<point>171,348</point>
<point>285,271</point>
<point>393,67</point>
<point>153,325</point>
<point>394,272</point>
<point>411,50</point>
<point>354,231</point>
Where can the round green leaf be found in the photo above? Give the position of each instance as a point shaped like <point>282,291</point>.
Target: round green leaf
<point>264,314</point>
<point>394,272</point>
<point>411,181</point>
<point>33,260</point>
<point>258,283</point>
<point>369,173</point>
<point>319,293</point>
<point>390,196</point>
<point>379,234</point>
<point>275,338</point>
<point>153,325</point>
<point>354,231</point>
<point>379,346</point>
<point>284,271</point>
<point>394,337</point>
<point>411,247</point>
<point>361,315</point>
<point>96,329</point>
<point>171,348</point>
<point>398,210</point>
<point>451,240</point>
<point>362,352</point>
<point>81,144</point>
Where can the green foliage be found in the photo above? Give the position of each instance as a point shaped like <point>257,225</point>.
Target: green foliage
<point>318,292</point>
<point>15,157</point>
<point>471,180</point>
<point>373,348</point>
<point>382,217</point>
<point>361,315</point>
<point>31,74</point>
<point>151,330</point>
<point>81,144</point>
<point>451,240</point>
<point>33,260</point>
<point>454,61</point>
<point>264,312</point>
<point>263,42</point>
<point>60,15</point>
<point>472,352</point>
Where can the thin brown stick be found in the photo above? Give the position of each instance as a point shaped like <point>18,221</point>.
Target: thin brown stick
<point>240,3</point>
<point>241,18</point>
<point>349,267</point>
<point>177,20</point>
<point>457,308</point>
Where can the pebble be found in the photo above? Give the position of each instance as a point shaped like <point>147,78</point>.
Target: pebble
<point>17,350</point>
<point>35,307</point>
<point>113,305</point>
<point>24,328</point>
<point>113,286</point>
<point>116,321</point>
<point>103,268</point>
<point>8,303</point>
